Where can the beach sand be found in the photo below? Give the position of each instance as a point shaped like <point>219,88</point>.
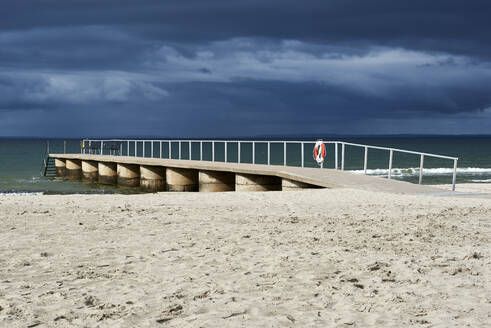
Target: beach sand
<point>311,258</point>
<point>469,187</point>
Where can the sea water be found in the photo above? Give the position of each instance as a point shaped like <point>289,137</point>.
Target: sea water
<point>21,160</point>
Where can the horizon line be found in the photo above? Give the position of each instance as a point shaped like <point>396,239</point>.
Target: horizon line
<point>264,136</point>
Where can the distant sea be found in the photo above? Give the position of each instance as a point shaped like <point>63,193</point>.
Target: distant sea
<point>21,161</point>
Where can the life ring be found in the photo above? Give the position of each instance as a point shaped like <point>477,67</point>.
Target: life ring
<point>319,152</point>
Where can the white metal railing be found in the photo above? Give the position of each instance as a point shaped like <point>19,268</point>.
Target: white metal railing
<point>97,146</point>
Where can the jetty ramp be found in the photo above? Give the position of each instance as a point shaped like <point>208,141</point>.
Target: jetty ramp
<point>156,174</point>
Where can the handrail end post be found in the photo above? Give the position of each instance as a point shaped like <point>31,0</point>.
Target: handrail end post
<point>454,178</point>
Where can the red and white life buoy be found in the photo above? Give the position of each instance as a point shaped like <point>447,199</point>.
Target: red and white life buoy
<point>319,152</point>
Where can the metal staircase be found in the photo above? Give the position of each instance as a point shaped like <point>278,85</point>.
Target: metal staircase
<point>48,169</point>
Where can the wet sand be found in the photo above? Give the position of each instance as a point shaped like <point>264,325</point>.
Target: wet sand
<point>313,258</point>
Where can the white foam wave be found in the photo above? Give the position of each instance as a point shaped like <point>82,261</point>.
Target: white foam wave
<point>483,181</point>
<point>412,171</point>
<point>20,193</point>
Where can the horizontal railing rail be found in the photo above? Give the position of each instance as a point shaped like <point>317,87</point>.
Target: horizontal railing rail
<point>115,147</point>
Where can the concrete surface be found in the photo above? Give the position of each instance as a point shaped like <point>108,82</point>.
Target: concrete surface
<point>107,173</point>
<point>128,175</point>
<point>181,179</point>
<point>215,181</point>
<point>90,170</point>
<point>256,182</point>
<point>60,165</point>
<point>288,184</point>
<point>73,169</point>
<point>328,178</point>
<point>152,178</point>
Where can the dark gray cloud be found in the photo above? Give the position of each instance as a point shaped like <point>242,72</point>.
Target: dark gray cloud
<point>442,24</point>
<point>244,67</point>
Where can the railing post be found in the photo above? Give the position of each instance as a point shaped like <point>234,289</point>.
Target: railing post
<point>238,152</point>
<point>102,147</point>
<point>64,146</point>
<point>366,160</point>
<point>284,153</point>
<point>120,149</point>
<point>47,146</point>
<point>421,162</point>
<point>454,178</point>
<point>201,150</point>
<point>160,149</point>
<point>143,150</point>
<point>336,155</point>
<point>127,148</point>
<point>268,152</point>
<point>179,149</point>
<point>213,151</point>
<point>170,149</point>
<point>253,152</point>
<point>342,156</point>
<point>189,150</point>
<point>225,145</point>
<point>302,153</point>
<point>136,148</point>
<point>390,163</point>
<point>302,145</point>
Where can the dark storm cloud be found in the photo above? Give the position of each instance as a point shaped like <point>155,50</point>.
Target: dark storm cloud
<point>446,25</point>
<point>49,91</point>
<point>244,66</point>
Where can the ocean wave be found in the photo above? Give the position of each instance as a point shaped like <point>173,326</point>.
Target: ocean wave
<point>20,193</point>
<point>413,171</point>
<point>482,181</point>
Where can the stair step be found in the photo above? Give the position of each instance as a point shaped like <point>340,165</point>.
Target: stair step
<point>49,169</point>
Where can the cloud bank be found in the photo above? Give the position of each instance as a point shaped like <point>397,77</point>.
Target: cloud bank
<point>224,68</point>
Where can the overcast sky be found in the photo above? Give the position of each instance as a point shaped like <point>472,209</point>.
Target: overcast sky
<point>195,68</point>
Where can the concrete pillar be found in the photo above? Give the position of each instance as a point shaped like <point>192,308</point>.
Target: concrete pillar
<point>73,169</point>
<point>152,178</point>
<point>89,171</point>
<point>252,182</point>
<point>287,184</point>
<point>107,173</point>
<point>181,179</point>
<point>128,175</point>
<point>60,165</point>
<point>211,181</point>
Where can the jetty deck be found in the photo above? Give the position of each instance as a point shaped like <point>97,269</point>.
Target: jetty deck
<point>313,177</point>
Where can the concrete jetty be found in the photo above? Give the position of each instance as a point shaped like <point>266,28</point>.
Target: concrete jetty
<point>155,174</point>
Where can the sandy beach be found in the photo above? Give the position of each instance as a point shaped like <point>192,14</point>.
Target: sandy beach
<point>312,258</point>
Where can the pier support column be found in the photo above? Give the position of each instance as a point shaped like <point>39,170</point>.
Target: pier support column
<point>60,165</point>
<point>73,169</point>
<point>212,181</point>
<point>287,184</point>
<point>128,175</point>
<point>181,179</point>
<point>89,171</point>
<point>252,182</point>
<point>152,178</point>
<point>107,173</point>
